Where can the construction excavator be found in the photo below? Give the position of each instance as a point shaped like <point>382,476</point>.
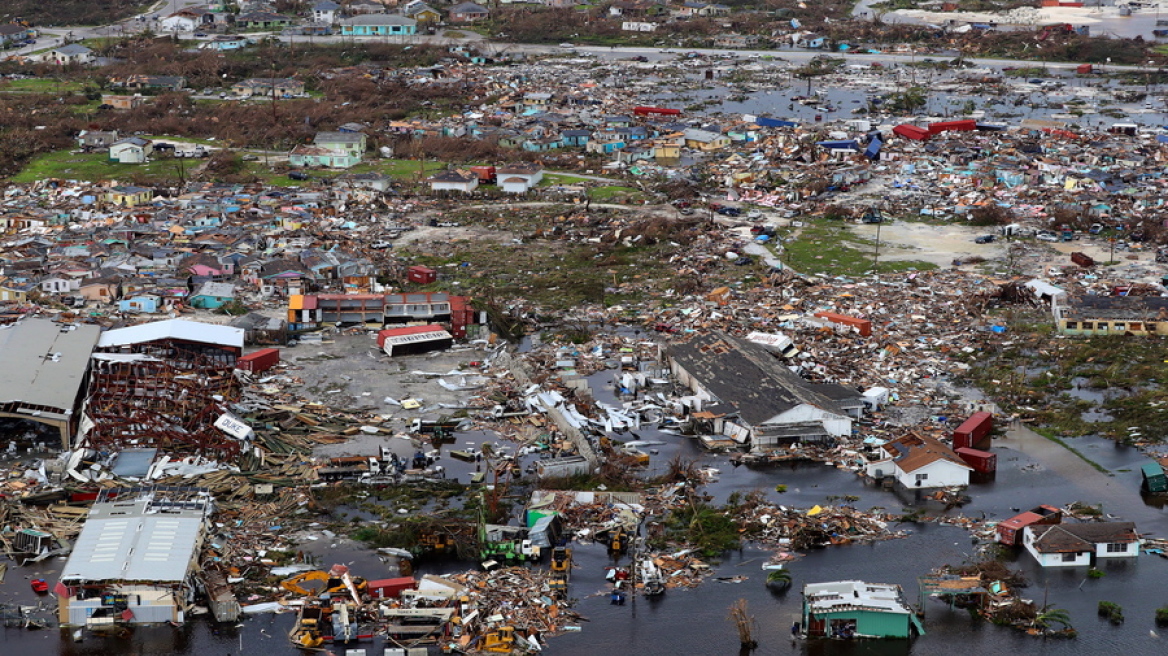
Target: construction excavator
<point>332,585</point>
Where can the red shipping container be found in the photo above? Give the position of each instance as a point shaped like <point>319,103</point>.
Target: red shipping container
<point>952,126</point>
<point>486,174</point>
<point>862,325</point>
<point>461,316</point>
<point>259,361</point>
<point>407,330</point>
<point>982,462</point>
<point>660,111</point>
<point>911,132</point>
<point>421,274</point>
<point>974,433</point>
<point>391,588</point>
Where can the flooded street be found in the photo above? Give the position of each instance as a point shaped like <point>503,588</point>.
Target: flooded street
<point>694,621</point>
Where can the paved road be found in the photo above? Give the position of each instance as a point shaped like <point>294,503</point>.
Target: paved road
<point>167,7</point>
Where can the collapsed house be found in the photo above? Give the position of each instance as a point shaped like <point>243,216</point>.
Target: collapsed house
<point>765,404</point>
<point>164,384</point>
<point>136,558</point>
<point>1093,314</point>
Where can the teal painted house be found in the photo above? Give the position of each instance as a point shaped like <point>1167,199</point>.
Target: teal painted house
<point>213,295</point>
<point>379,25</point>
<point>856,609</point>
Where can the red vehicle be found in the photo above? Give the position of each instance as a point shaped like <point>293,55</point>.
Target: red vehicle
<point>39,586</point>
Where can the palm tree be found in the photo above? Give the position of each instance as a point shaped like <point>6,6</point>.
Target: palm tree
<point>1051,615</point>
<point>779,578</point>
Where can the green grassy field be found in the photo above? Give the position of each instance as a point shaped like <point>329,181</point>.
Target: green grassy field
<point>41,85</point>
<point>551,179</point>
<point>827,247</point>
<point>404,170</point>
<point>95,166</point>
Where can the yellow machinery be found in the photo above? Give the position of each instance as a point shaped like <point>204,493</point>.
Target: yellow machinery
<point>500,641</point>
<point>436,542</point>
<point>330,585</point>
<point>618,540</point>
<point>293,584</point>
<point>562,561</point>
<point>307,631</point>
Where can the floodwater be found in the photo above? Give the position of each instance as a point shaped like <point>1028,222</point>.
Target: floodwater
<point>834,97</point>
<point>1031,470</point>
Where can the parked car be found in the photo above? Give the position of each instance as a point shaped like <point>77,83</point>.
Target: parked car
<point>1046,236</point>
<point>984,239</point>
<point>381,244</point>
<point>200,35</point>
<point>299,175</point>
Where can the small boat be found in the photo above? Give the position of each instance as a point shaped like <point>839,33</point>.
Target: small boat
<point>39,586</point>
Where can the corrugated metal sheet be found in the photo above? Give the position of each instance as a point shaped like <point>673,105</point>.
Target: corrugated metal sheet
<point>191,331</point>
<point>134,541</point>
<point>43,365</point>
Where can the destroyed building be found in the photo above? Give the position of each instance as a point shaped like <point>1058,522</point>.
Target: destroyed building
<point>164,384</point>
<point>1113,315</point>
<point>46,367</point>
<point>136,558</point>
<point>770,405</point>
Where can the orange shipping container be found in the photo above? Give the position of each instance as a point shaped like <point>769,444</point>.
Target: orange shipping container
<point>862,325</point>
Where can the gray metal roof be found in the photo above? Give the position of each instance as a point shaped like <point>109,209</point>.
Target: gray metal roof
<point>748,377</point>
<point>136,540</point>
<point>44,364</point>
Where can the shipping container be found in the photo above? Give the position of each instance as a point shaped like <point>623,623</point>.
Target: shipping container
<point>421,275</point>
<point>862,325</point>
<point>1010,530</point>
<point>1082,259</point>
<point>911,132</point>
<point>391,588</point>
<point>461,316</point>
<point>259,361</point>
<point>974,433</point>
<point>983,462</point>
<point>487,174</point>
<point>1084,69</point>
<point>562,467</point>
<point>1154,480</point>
<point>414,339</point>
<point>659,111</point>
<point>952,126</point>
